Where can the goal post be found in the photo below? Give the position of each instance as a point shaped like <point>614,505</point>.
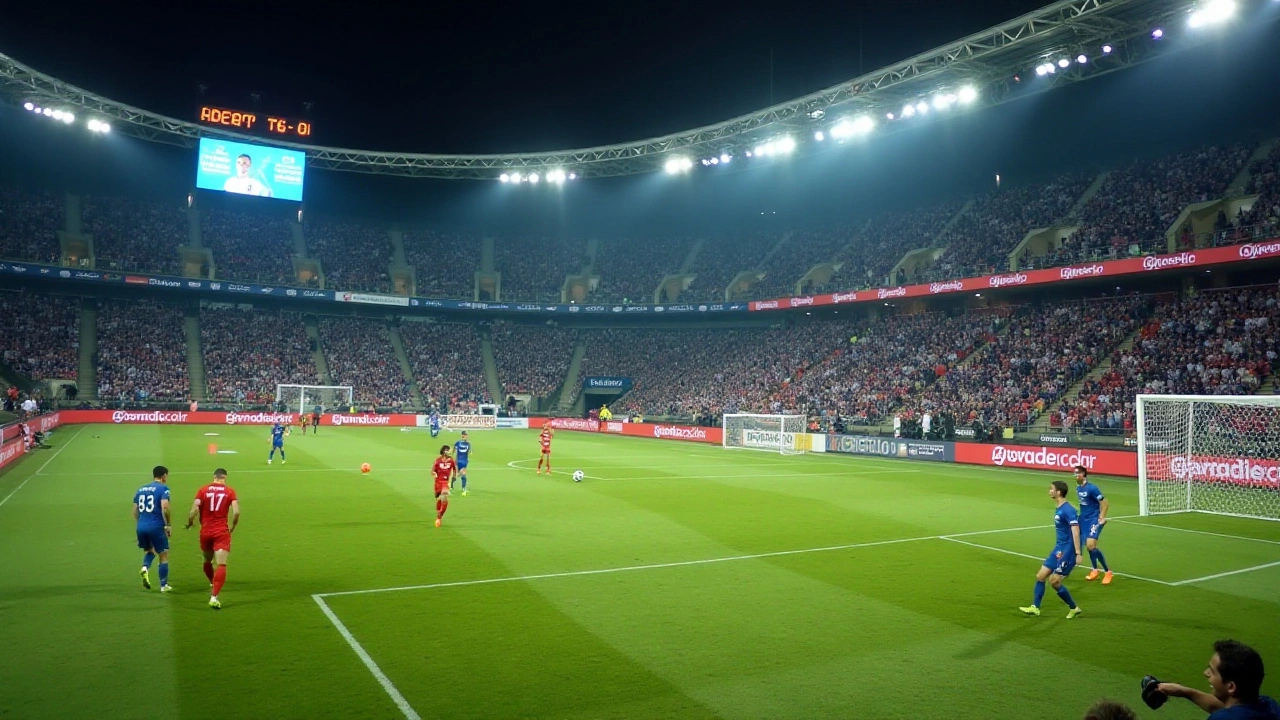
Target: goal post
<point>1217,454</point>
<point>783,434</point>
<point>306,398</point>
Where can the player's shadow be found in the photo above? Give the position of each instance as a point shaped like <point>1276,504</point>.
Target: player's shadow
<point>1179,624</point>
<point>996,642</point>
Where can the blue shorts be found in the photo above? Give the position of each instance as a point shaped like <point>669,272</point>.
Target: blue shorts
<point>1061,561</point>
<point>277,445</point>
<point>1091,529</point>
<point>462,464</point>
<point>435,431</point>
<point>153,538</point>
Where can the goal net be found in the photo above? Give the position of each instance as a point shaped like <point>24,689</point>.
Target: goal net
<point>306,398</point>
<point>1209,453</point>
<point>775,433</point>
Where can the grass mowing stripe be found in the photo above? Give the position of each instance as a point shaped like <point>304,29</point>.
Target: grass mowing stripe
<point>386,684</point>
<point>56,453</point>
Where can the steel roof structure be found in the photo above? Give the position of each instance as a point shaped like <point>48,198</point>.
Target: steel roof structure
<point>988,61</point>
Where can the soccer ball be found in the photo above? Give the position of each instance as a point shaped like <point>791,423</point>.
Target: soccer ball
<point>577,476</point>
<point>365,468</point>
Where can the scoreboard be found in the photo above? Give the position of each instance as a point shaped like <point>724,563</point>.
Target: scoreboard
<point>257,123</point>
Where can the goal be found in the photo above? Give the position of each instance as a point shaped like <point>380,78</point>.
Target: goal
<point>1215,454</point>
<point>775,433</point>
<point>306,398</point>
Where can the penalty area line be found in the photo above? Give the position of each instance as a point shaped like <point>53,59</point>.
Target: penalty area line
<point>951,538</point>
<point>380,676</point>
<point>55,454</point>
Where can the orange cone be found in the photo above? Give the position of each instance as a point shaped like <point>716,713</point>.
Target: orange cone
<point>213,449</point>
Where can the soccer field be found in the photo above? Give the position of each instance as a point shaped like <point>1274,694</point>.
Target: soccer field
<point>676,581</point>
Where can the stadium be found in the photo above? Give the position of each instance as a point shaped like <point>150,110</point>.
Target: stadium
<point>813,362</point>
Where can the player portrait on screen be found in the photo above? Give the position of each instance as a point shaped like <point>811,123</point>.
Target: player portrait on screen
<point>243,183</point>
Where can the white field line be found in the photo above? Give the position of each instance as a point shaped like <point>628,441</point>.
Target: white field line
<point>1227,574</point>
<point>1036,557</point>
<point>1199,532</point>
<point>513,465</point>
<point>381,677</point>
<point>55,454</point>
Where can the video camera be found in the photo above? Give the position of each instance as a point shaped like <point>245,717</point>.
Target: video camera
<point>1151,694</point>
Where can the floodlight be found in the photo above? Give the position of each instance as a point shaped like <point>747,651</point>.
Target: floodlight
<point>68,118</point>
<point>1064,63</point>
<point>1040,70</point>
<point>819,136</point>
<point>725,157</point>
<point>28,106</point>
<point>678,164</point>
<point>1157,33</point>
<point>573,176</point>
<point>47,112</point>
<point>1212,13</point>
<point>715,161</point>
<point>786,144</point>
<point>967,94</point>
<point>1082,58</point>
<point>1106,49</point>
<point>863,125</point>
<point>515,177</point>
<point>533,178</point>
<point>908,111</point>
<point>57,115</point>
<point>922,107</point>
<point>889,116</point>
<point>940,102</point>
<point>706,162</point>
<point>501,178</point>
<point>104,127</point>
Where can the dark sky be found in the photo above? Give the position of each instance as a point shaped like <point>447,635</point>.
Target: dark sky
<point>482,76</point>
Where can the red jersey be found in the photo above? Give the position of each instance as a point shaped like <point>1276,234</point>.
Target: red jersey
<point>545,440</point>
<point>215,503</point>
<point>443,470</point>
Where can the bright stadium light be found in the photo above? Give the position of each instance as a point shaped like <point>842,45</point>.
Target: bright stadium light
<point>1157,33</point>
<point>820,137</point>
<point>1213,12</point>
<point>501,178</point>
<point>678,165</point>
<point>1064,63</point>
<point>1041,70</point>
<point>515,177</point>
<point>1106,49</point>
<point>68,118</point>
<point>889,116</point>
<point>1082,58</point>
<point>940,102</point>
<point>573,176</point>
<point>556,176</point>
<point>786,144</point>
<point>863,125</point>
<point>28,106</point>
<point>533,178</point>
<point>908,111</point>
<point>967,94</point>
<point>725,158</point>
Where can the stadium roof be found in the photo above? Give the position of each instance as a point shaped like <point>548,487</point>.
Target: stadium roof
<point>999,63</point>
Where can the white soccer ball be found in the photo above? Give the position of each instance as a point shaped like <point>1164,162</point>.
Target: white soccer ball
<point>578,475</point>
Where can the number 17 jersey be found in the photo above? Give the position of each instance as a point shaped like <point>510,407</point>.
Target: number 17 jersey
<point>215,503</point>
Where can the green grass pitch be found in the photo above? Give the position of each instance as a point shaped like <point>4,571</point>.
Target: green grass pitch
<point>676,581</point>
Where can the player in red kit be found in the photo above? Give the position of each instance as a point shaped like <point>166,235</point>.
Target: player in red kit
<point>215,503</point>
<point>544,440</point>
<point>443,471</point>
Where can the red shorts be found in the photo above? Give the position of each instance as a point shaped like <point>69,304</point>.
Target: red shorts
<point>441,486</point>
<point>546,451</point>
<point>219,540</point>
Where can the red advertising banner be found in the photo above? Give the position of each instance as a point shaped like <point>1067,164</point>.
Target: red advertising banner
<point>11,451</point>
<point>581,424</point>
<point>1110,268</point>
<point>1103,462</point>
<point>1254,472</point>
<point>688,433</point>
<point>204,417</point>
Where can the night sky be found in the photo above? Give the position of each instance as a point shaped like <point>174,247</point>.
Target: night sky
<point>482,76</point>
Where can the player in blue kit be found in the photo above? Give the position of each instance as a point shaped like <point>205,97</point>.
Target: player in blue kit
<point>435,423</point>
<point>1066,552</point>
<point>277,443</point>
<point>151,511</point>
<point>1093,517</point>
<point>462,455</point>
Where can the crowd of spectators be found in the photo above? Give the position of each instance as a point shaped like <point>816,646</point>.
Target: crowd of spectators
<point>532,359</point>
<point>135,235</point>
<point>29,225</point>
<point>876,369</point>
<point>699,373</point>
<point>249,246</point>
<point>534,268</point>
<point>41,334</point>
<point>1220,342</point>
<point>631,268</point>
<point>358,352</point>
<point>1021,373</point>
<point>1262,220</point>
<point>980,241</point>
<point>885,240</point>
<point>447,364</point>
<point>1137,203</point>
<point>803,250</point>
<point>248,352</point>
<point>720,260</point>
<point>445,264</point>
<point>142,352</point>
<point>355,257</point>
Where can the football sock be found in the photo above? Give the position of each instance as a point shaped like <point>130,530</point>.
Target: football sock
<point>1093,559</point>
<point>444,508</point>
<point>219,577</point>
<point>437,508</point>
<point>147,559</point>
<point>1039,595</point>
<point>1066,596</point>
<point>282,454</point>
<point>271,455</point>
<point>164,573</point>
<point>464,483</point>
<point>208,571</point>
<point>1098,559</point>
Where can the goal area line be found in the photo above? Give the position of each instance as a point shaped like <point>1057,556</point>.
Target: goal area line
<point>408,711</point>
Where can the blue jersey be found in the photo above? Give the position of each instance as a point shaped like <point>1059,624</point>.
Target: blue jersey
<point>1264,709</point>
<point>1064,518</point>
<point>1090,498</point>
<point>277,435</point>
<point>435,421</point>
<point>150,512</point>
<point>462,451</point>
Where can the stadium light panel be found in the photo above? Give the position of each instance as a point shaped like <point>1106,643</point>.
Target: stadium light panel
<point>1106,49</point>
<point>908,111</point>
<point>1040,71</point>
<point>573,176</point>
<point>725,157</point>
<point>515,177</point>
<point>28,106</point>
<point>820,137</point>
<point>889,116</point>
<point>533,178</point>
<point>1082,58</point>
<point>786,144</point>
<point>863,125</point>
<point>1157,33</point>
<point>504,178</point>
<point>1213,12</point>
<point>1064,63</point>
<point>967,94</point>
<point>68,118</point>
<point>922,107</point>
<point>678,165</point>
<point>940,102</point>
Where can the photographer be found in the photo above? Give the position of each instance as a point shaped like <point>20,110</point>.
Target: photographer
<point>1235,674</point>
